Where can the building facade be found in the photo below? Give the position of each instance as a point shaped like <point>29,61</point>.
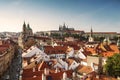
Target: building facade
<point>6,55</point>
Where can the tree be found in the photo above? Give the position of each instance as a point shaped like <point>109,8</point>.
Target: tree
<point>112,66</point>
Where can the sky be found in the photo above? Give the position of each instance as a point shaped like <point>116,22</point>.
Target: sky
<point>45,15</point>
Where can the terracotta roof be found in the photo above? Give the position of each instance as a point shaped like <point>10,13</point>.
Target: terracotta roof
<point>31,74</point>
<point>68,43</point>
<point>43,38</point>
<point>102,78</point>
<point>31,65</point>
<point>59,75</point>
<point>54,76</point>
<point>102,32</point>
<point>42,65</point>
<point>55,49</point>
<point>91,50</point>
<point>76,31</point>
<point>111,53</point>
<point>84,69</point>
<point>106,51</point>
<point>69,61</point>
<point>32,78</point>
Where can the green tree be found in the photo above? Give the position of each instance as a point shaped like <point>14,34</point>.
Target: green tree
<point>112,66</point>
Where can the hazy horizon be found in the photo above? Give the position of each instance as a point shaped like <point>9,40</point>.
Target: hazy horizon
<point>45,15</point>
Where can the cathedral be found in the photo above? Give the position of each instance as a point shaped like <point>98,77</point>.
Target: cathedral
<point>25,34</point>
<point>27,31</point>
<point>65,28</point>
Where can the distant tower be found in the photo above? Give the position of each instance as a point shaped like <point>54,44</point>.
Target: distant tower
<point>91,36</point>
<point>24,27</point>
<point>27,31</point>
<point>64,27</point>
<point>91,32</point>
<point>24,30</point>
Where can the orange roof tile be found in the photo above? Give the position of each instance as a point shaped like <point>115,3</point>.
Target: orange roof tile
<point>33,78</point>
<point>107,51</point>
<point>59,75</point>
<point>55,49</point>
<point>102,32</point>
<point>69,61</point>
<point>42,65</point>
<point>111,53</point>
<point>31,74</point>
<point>84,69</point>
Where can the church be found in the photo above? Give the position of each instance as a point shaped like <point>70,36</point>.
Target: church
<point>25,34</point>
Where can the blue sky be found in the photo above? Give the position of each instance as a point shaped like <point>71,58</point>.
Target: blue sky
<point>44,15</point>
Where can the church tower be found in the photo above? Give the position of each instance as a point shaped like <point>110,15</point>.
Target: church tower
<point>26,32</point>
<point>91,36</point>
<point>24,27</point>
<point>91,32</point>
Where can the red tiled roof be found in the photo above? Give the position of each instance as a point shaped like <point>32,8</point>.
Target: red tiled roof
<point>102,32</point>
<point>31,74</point>
<point>107,51</point>
<point>55,49</point>
<point>43,38</point>
<point>111,53</point>
<point>42,65</point>
<point>68,43</point>
<point>33,78</point>
<point>69,61</point>
<point>38,74</point>
<point>59,75</point>
<point>84,69</point>
<point>76,31</point>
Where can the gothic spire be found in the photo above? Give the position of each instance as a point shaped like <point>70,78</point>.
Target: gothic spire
<point>24,26</point>
<point>91,32</point>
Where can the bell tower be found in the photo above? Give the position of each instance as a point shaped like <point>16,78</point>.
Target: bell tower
<point>91,36</point>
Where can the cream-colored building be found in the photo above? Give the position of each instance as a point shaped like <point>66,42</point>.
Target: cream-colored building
<point>6,56</point>
<point>111,35</point>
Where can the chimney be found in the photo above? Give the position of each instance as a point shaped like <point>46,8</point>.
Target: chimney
<point>73,74</point>
<point>21,71</point>
<point>46,71</point>
<point>57,70</point>
<point>64,76</point>
<point>33,69</point>
<point>43,77</point>
<point>92,66</point>
<point>20,77</point>
<point>97,76</point>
